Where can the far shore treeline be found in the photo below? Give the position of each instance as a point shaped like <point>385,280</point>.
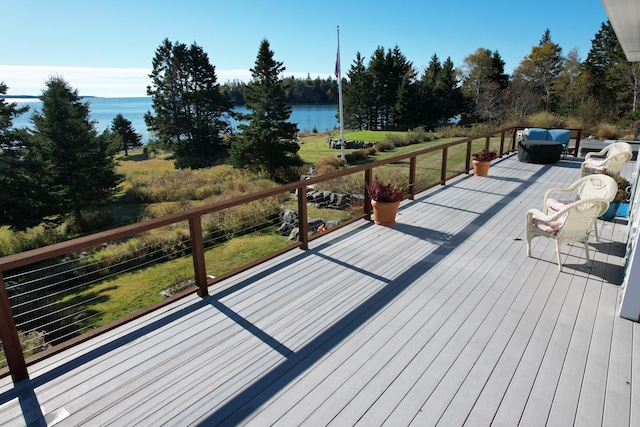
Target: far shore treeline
<point>296,91</point>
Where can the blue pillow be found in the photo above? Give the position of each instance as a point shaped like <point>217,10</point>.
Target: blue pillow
<point>536,134</point>
<point>560,135</point>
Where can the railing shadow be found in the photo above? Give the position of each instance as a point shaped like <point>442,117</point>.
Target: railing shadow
<point>238,407</point>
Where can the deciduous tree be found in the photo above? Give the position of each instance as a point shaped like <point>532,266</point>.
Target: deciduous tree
<point>484,82</point>
<point>542,67</point>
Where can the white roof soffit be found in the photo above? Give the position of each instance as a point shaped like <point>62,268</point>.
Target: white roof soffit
<point>624,16</point>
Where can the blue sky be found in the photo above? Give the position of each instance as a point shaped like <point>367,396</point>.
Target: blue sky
<point>105,48</point>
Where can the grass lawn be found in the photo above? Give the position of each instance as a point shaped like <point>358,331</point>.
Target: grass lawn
<point>314,146</point>
<point>138,162</point>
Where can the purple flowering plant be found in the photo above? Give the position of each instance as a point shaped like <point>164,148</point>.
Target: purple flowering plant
<point>384,192</point>
<point>485,155</point>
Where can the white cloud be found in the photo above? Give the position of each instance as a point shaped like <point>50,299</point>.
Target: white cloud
<point>107,82</point>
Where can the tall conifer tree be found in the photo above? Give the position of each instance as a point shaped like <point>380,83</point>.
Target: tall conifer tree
<point>267,141</point>
<point>65,165</point>
<point>126,137</point>
<point>191,112</point>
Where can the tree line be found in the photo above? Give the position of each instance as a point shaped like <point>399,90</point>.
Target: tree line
<point>63,165</point>
<point>297,91</point>
<point>388,93</point>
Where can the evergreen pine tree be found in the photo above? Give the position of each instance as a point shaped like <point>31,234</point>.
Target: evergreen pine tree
<point>13,182</point>
<point>64,164</point>
<point>267,141</point>
<point>191,112</point>
<point>124,134</point>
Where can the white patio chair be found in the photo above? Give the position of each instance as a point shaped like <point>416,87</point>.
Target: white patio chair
<point>609,160</point>
<point>590,186</point>
<point>569,225</point>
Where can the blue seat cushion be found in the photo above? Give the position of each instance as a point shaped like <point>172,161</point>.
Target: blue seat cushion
<point>536,134</point>
<point>560,135</point>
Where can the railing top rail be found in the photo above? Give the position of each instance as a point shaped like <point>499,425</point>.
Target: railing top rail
<point>40,254</point>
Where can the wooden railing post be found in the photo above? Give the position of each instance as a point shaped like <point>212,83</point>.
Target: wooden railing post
<point>368,209</point>
<point>467,164</point>
<point>502,143</point>
<point>197,251</point>
<point>575,152</point>
<point>514,135</point>
<point>10,338</point>
<point>412,177</point>
<point>443,170</point>
<point>303,220</point>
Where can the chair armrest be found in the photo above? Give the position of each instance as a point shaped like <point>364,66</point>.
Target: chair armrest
<point>550,192</point>
<point>548,217</point>
<point>601,153</point>
<point>538,214</point>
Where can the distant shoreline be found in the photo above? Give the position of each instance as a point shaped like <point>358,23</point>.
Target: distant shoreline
<point>19,96</point>
<point>32,96</point>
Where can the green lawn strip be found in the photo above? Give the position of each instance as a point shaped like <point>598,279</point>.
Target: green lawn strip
<point>314,146</point>
<point>126,293</point>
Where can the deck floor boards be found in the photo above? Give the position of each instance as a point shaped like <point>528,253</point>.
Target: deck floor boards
<point>447,323</point>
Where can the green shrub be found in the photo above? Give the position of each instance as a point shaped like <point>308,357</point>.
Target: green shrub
<point>32,342</point>
<point>544,119</point>
<point>457,131</point>
<point>329,164</point>
<point>88,222</point>
<point>357,156</point>
<point>606,131</point>
<point>32,238</point>
<point>386,145</point>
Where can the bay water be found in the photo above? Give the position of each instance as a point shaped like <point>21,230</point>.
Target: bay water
<point>103,110</point>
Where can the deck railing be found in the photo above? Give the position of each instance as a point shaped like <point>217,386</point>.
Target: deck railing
<point>417,171</point>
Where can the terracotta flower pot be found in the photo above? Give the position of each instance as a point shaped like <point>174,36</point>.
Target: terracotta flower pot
<point>481,168</point>
<point>384,213</point>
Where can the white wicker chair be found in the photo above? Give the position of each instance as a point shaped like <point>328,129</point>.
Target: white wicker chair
<point>569,225</point>
<point>599,186</point>
<point>609,160</point>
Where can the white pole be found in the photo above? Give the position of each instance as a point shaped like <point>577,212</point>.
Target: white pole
<point>339,77</point>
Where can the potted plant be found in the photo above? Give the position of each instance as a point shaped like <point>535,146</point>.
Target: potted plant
<point>385,199</point>
<point>621,198</point>
<point>482,160</point>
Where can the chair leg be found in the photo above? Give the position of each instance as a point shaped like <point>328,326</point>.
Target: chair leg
<point>558,254</point>
<point>595,227</point>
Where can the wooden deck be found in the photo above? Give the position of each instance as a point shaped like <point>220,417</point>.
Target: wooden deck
<point>438,320</point>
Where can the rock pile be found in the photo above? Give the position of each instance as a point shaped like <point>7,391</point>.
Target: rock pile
<point>289,224</point>
<point>350,145</point>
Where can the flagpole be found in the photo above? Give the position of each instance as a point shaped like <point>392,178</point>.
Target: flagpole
<point>339,77</point>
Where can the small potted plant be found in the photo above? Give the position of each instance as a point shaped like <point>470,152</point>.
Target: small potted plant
<point>619,206</point>
<point>385,199</point>
<point>482,160</point>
